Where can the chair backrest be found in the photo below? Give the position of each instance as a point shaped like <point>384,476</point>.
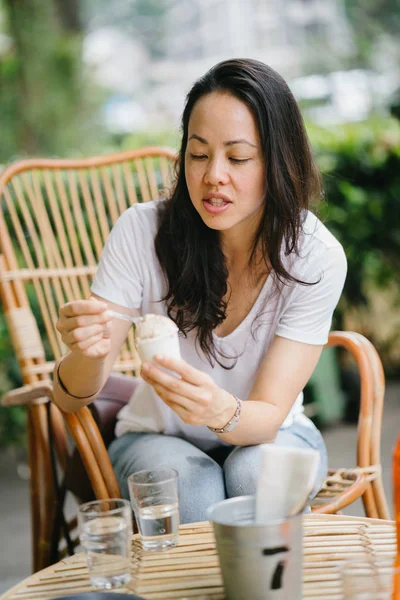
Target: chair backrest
<point>54,220</point>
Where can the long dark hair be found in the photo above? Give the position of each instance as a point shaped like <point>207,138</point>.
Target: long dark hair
<point>189,252</point>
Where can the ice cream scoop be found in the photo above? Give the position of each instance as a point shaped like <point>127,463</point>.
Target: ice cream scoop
<point>152,326</point>
<point>154,334</point>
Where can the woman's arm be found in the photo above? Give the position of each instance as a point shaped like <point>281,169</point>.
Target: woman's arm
<point>285,370</point>
<point>282,375</point>
<point>93,337</point>
<point>94,340</point>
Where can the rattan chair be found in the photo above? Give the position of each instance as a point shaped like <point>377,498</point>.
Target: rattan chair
<point>55,217</point>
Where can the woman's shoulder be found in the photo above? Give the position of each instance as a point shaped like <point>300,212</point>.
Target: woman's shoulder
<point>144,211</point>
<point>316,237</point>
<point>317,249</point>
<point>141,217</point>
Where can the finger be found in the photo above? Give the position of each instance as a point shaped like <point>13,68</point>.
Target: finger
<point>83,333</point>
<point>87,343</point>
<point>98,349</point>
<point>83,307</point>
<point>170,398</point>
<point>182,368</point>
<point>185,415</point>
<point>154,375</point>
<point>71,323</point>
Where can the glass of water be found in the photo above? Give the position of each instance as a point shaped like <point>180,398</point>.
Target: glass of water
<point>105,528</point>
<point>154,497</point>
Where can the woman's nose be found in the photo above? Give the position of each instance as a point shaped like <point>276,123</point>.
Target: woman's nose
<point>216,173</point>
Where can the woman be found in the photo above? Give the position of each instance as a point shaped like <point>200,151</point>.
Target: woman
<point>248,274</point>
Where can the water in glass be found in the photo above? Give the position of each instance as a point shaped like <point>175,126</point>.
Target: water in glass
<point>158,525</point>
<point>106,542</point>
<point>154,497</point>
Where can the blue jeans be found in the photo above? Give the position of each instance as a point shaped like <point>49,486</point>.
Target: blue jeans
<point>205,478</point>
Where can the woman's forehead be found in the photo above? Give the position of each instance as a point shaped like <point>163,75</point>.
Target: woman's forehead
<point>224,116</point>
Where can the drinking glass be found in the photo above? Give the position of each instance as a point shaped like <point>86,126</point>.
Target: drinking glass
<point>368,578</point>
<point>154,498</point>
<point>105,533</point>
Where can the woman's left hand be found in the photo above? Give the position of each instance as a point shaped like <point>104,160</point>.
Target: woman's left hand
<point>194,396</point>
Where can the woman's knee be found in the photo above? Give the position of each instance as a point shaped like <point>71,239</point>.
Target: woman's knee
<point>201,484</point>
<point>241,471</point>
<point>241,468</point>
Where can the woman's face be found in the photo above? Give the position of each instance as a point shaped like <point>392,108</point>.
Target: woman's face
<point>224,164</point>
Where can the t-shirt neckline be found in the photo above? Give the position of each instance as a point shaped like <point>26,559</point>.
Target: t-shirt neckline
<point>249,315</point>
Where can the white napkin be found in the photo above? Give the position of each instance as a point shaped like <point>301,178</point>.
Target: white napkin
<point>285,480</point>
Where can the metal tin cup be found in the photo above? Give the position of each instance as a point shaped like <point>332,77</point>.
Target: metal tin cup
<point>258,561</point>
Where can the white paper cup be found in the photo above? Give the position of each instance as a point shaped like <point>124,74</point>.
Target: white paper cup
<point>167,345</point>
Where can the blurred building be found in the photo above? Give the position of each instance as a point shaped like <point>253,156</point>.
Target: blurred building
<point>292,36</point>
<point>284,33</point>
<point>175,41</point>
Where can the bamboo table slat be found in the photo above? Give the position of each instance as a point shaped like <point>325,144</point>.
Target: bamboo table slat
<point>191,570</point>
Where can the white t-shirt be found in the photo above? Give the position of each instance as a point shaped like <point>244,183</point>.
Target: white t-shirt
<point>129,274</point>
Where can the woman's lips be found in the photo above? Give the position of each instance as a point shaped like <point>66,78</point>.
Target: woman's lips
<point>215,205</point>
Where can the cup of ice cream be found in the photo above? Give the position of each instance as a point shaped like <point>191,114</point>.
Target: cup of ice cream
<point>156,334</point>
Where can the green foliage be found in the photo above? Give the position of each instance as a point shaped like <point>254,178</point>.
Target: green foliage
<point>361,170</point>
<point>166,138</point>
<point>12,420</point>
<point>45,106</point>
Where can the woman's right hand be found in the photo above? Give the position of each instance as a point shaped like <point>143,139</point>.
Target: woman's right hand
<point>85,327</point>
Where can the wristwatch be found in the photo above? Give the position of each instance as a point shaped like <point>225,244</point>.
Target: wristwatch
<point>233,422</point>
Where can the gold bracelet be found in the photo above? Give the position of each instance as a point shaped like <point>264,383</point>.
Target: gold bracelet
<point>64,389</point>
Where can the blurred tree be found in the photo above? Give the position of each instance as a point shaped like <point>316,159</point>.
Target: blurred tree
<point>69,15</point>
<point>43,100</point>
<point>371,21</point>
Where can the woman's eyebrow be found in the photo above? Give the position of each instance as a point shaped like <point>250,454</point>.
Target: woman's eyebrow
<point>198,138</point>
<point>241,141</point>
<point>194,136</point>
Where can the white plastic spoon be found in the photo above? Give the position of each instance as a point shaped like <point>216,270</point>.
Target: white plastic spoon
<point>119,315</point>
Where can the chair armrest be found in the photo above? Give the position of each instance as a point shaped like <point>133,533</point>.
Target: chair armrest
<point>341,492</point>
<point>35,393</point>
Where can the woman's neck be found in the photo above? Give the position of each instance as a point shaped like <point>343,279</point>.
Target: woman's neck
<point>241,261</point>
<point>236,251</point>
<point>238,245</point>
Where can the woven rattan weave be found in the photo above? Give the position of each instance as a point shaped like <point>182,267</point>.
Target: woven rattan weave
<point>191,570</point>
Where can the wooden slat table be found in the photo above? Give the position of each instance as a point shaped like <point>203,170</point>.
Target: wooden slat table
<point>191,570</point>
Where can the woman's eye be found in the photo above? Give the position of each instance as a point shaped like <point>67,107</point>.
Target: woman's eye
<point>239,160</point>
<point>198,156</point>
